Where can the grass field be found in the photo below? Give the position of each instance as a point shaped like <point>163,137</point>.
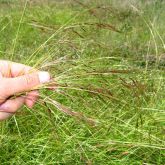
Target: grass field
<point>108,59</point>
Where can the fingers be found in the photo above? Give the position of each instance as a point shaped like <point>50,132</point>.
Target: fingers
<point>1,75</point>
<point>31,98</point>
<point>12,69</point>
<point>17,78</point>
<point>23,83</point>
<point>8,108</point>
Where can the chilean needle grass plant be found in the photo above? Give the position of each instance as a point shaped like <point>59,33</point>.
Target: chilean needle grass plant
<point>104,103</point>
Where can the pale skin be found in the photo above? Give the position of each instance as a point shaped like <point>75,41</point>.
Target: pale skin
<point>17,78</point>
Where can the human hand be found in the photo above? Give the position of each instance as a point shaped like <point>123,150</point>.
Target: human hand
<point>17,78</point>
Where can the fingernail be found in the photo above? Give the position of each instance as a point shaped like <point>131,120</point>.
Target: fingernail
<point>44,77</point>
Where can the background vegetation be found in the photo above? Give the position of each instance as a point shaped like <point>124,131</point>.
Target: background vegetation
<point>108,60</point>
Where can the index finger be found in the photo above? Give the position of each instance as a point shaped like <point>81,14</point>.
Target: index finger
<point>13,69</point>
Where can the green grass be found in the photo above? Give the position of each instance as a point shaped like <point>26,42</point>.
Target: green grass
<point>103,75</point>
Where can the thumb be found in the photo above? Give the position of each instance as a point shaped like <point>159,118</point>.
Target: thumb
<point>26,82</point>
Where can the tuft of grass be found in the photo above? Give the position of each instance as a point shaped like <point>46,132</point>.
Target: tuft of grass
<point>108,68</point>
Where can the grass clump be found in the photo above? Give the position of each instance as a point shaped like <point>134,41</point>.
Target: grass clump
<point>109,105</point>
